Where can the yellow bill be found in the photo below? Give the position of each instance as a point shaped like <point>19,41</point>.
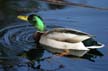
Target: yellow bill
<point>24,18</point>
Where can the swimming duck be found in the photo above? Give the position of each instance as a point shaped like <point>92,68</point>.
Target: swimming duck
<point>64,41</point>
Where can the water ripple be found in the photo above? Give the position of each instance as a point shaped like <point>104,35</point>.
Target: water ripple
<point>17,36</point>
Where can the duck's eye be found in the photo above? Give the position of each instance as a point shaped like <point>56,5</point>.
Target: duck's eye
<point>34,20</point>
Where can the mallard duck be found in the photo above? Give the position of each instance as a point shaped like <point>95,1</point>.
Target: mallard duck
<point>64,41</point>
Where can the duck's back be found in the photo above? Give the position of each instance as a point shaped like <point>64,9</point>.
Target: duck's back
<point>67,35</point>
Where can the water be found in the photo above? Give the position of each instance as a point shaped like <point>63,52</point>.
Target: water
<point>17,43</point>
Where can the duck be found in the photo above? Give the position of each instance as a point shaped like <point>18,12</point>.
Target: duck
<point>61,41</point>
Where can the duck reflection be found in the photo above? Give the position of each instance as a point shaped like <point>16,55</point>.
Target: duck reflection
<point>91,55</point>
<point>34,55</point>
<point>10,61</point>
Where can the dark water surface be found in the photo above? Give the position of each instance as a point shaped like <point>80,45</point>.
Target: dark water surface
<point>18,49</point>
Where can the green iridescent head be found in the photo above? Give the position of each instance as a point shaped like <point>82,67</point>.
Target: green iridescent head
<point>37,22</point>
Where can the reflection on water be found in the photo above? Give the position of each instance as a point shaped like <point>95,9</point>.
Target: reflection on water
<point>10,9</point>
<point>91,55</point>
<point>66,3</point>
<point>55,6</point>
